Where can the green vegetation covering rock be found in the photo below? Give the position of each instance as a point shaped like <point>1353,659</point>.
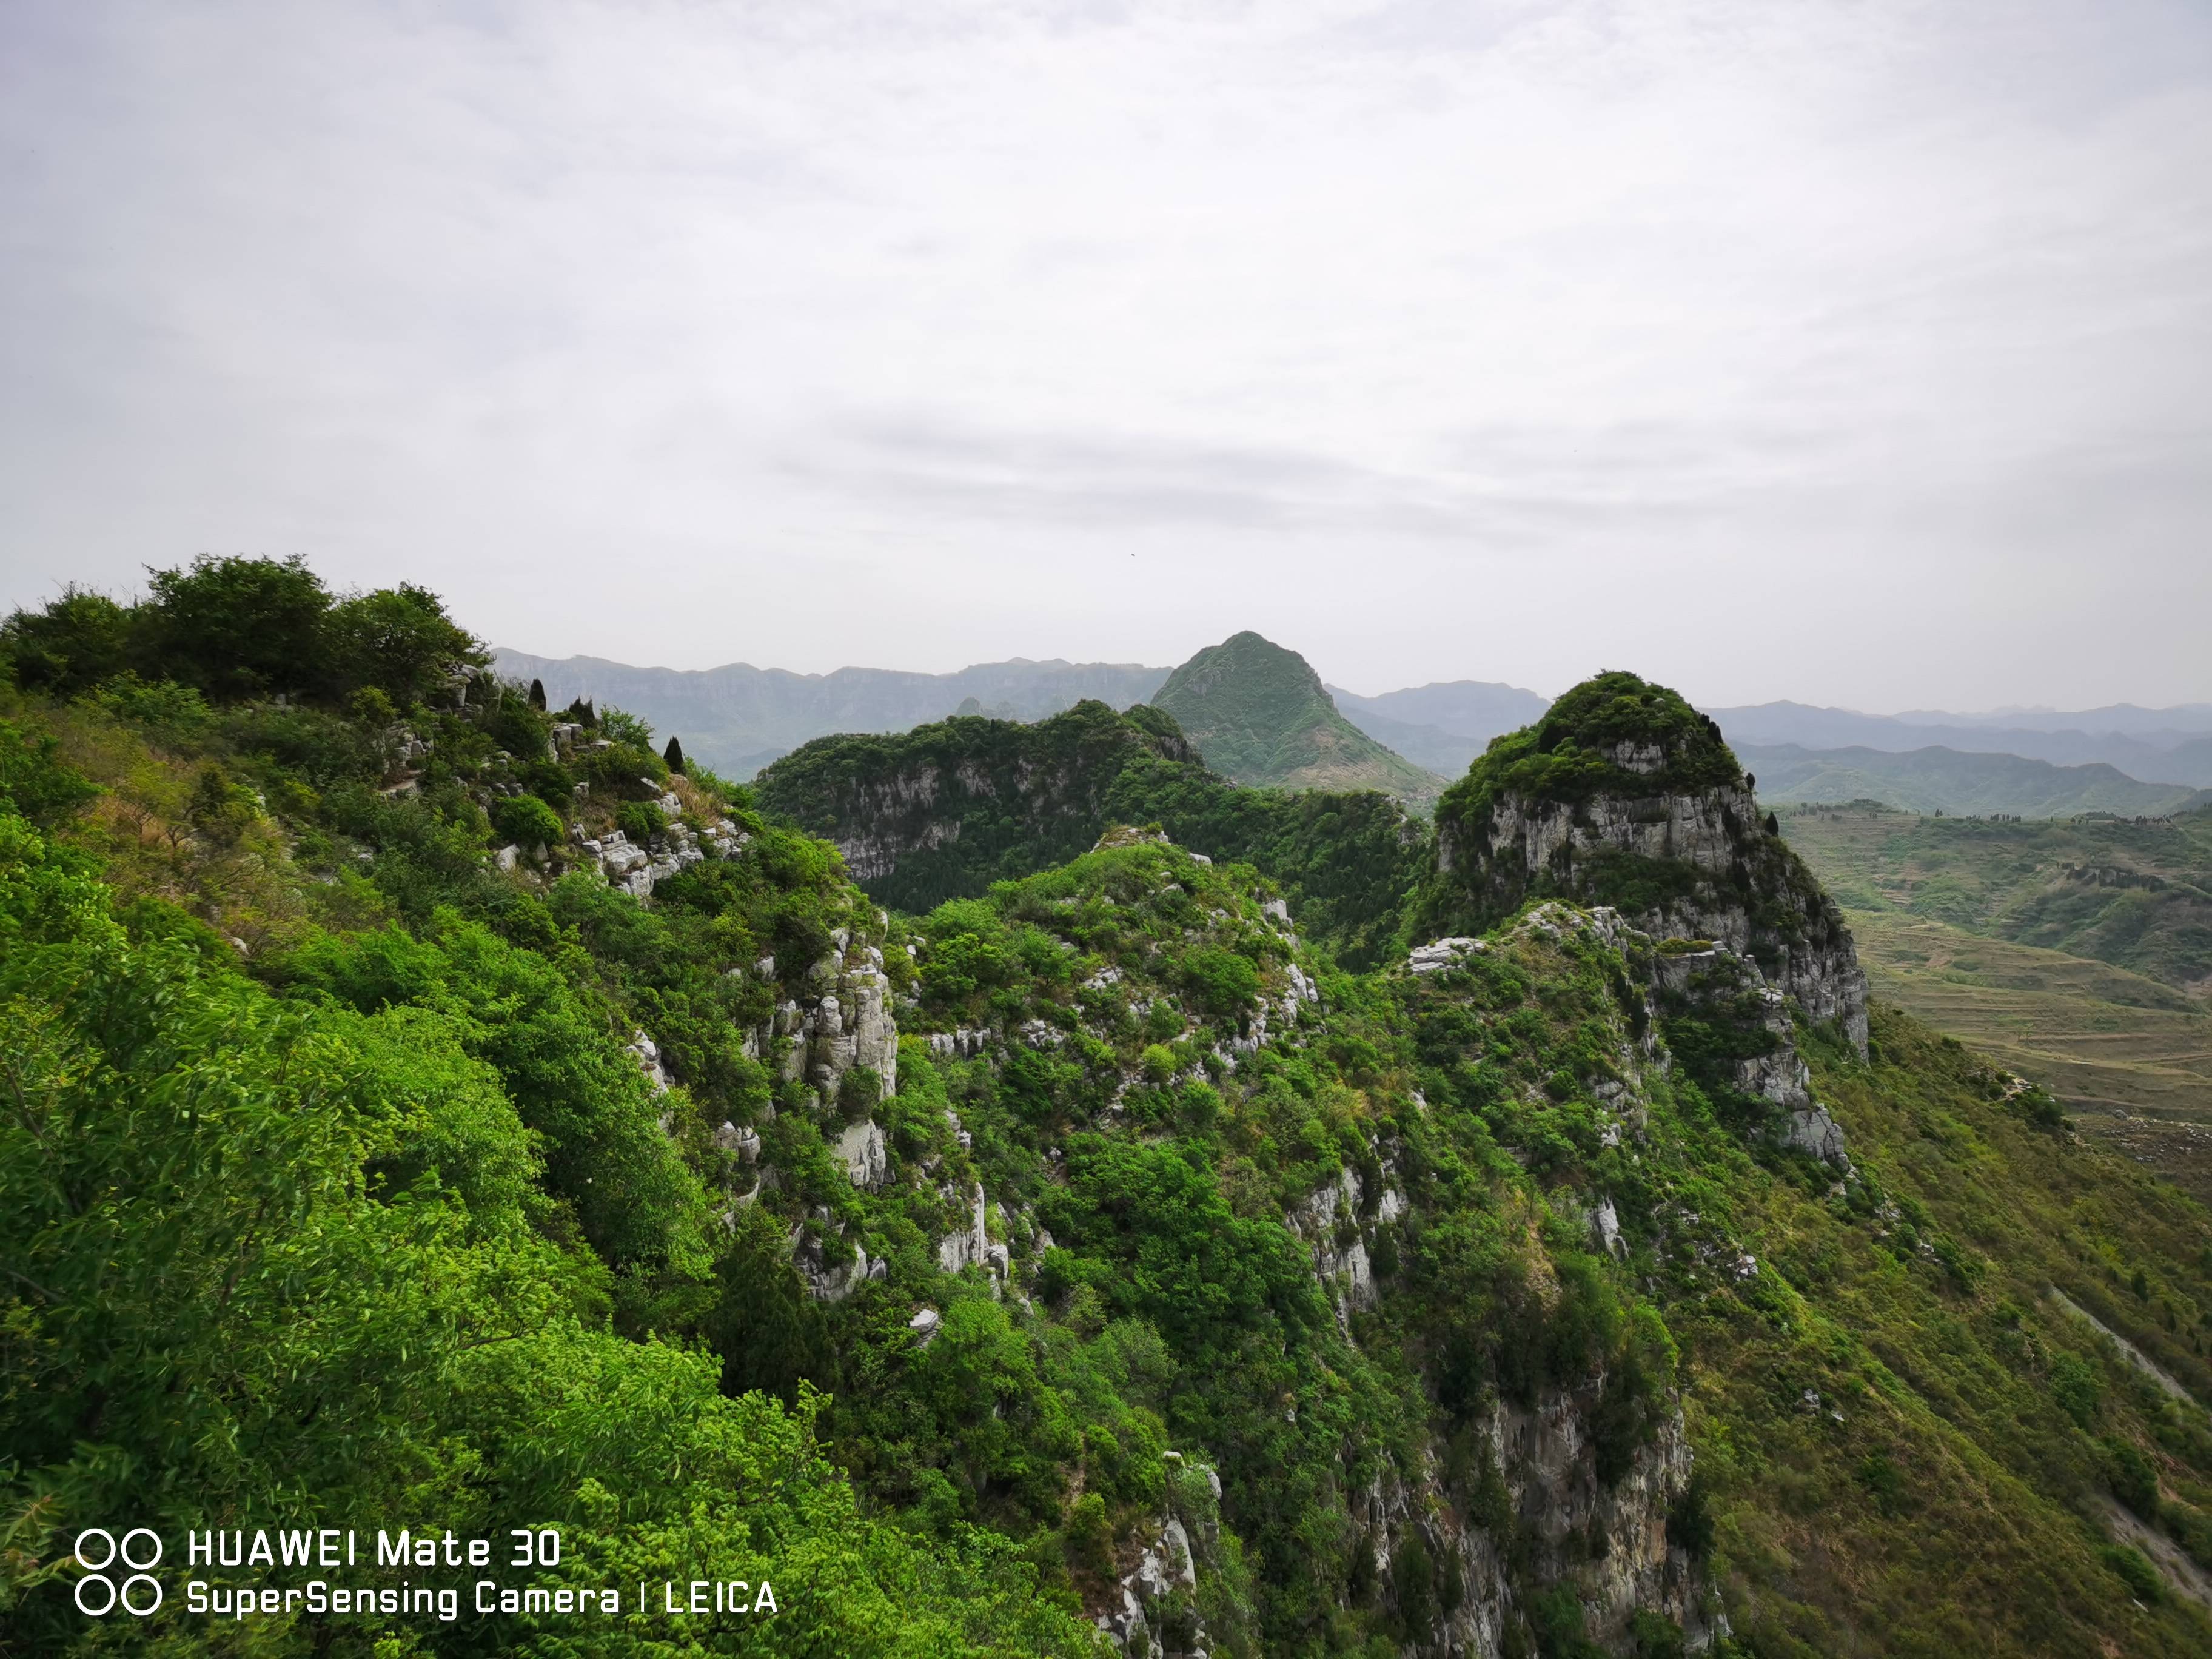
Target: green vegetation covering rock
<point>1091,1262</point>
<point>1624,795</point>
<point>943,811</point>
<point>1260,715</point>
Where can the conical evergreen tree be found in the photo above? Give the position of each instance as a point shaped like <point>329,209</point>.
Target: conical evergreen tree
<point>674,755</point>
<point>538,694</point>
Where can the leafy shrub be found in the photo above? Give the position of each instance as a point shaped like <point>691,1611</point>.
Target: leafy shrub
<point>2075,1386</point>
<point>526,821</point>
<point>859,1091</point>
<point>1224,983</point>
<point>1883,1482</point>
<point>71,645</point>
<point>2135,1571</point>
<point>35,782</point>
<point>2131,1478</point>
<point>639,820</point>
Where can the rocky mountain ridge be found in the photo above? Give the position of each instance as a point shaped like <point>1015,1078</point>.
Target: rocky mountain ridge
<point>1624,795</point>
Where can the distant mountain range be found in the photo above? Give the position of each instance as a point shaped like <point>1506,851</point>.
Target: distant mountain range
<point>2038,762</point>
<point>1445,725</point>
<point>2162,746</point>
<point>1938,779</point>
<point>737,718</point>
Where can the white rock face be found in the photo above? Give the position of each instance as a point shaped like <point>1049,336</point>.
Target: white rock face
<point>867,1159</point>
<point>825,1283</point>
<point>1343,1269</point>
<point>1605,1221</point>
<point>642,1050</point>
<point>1545,1456</point>
<point>972,1245</point>
<point>844,1021</point>
<point>744,1143</point>
<point>1440,954</point>
<point>1716,833</point>
<point>1779,1075</point>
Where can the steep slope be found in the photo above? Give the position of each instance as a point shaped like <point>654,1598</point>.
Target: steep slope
<point>2131,1058</point>
<point>943,811</point>
<point>1937,780</point>
<point>1259,715</point>
<point>1624,795</point>
<point>737,718</point>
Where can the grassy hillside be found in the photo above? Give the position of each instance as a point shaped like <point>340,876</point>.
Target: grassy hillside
<point>1938,779</point>
<point>2138,896</point>
<point>2130,1058</point>
<point>1260,715</point>
<point>373,1152</point>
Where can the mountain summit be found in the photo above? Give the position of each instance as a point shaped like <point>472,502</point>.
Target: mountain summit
<point>1260,714</point>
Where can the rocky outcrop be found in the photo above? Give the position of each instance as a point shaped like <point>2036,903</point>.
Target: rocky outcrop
<point>1607,1539</point>
<point>839,1020</point>
<point>908,812</point>
<point>866,1158</point>
<point>1152,1607</point>
<point>1330,1222</point>
<point>825,1280</point>
<point>1721,986</point>
<point>972,1246</point>
<point>1646,810</point>
<point>634,869</point>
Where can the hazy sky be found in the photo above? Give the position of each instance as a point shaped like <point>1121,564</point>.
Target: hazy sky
<point>1857,353</point>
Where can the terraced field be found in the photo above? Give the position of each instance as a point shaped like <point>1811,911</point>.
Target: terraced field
<point>2131,1058</point>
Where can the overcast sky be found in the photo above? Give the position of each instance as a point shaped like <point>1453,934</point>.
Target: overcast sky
<point>1856,353</point>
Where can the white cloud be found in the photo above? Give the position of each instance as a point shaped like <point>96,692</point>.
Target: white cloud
<point>1849,352</point>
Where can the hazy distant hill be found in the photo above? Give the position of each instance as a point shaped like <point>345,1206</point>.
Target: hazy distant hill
<point>2128,717</point>
<point>737,718</point>
<point>1939,780</point>
<point>1443,726</point>
<point>1260,715</point>
<point>2161,745</point>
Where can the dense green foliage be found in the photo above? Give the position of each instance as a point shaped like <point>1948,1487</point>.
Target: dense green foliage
<point>943,811</point>
<point>235,627</point>
<point>339,1186</point>
<point>273,1263</point>
<point>1259,715</point>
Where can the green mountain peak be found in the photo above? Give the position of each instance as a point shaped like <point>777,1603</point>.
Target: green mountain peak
<point>1260,714</point>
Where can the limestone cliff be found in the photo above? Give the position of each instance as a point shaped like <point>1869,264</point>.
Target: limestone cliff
<point>942,811</point>
<point>1624,795</point>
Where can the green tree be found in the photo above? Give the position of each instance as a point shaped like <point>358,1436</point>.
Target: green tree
<point>239,628</point>
<point>399,640</point>
<point>70,644</point>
